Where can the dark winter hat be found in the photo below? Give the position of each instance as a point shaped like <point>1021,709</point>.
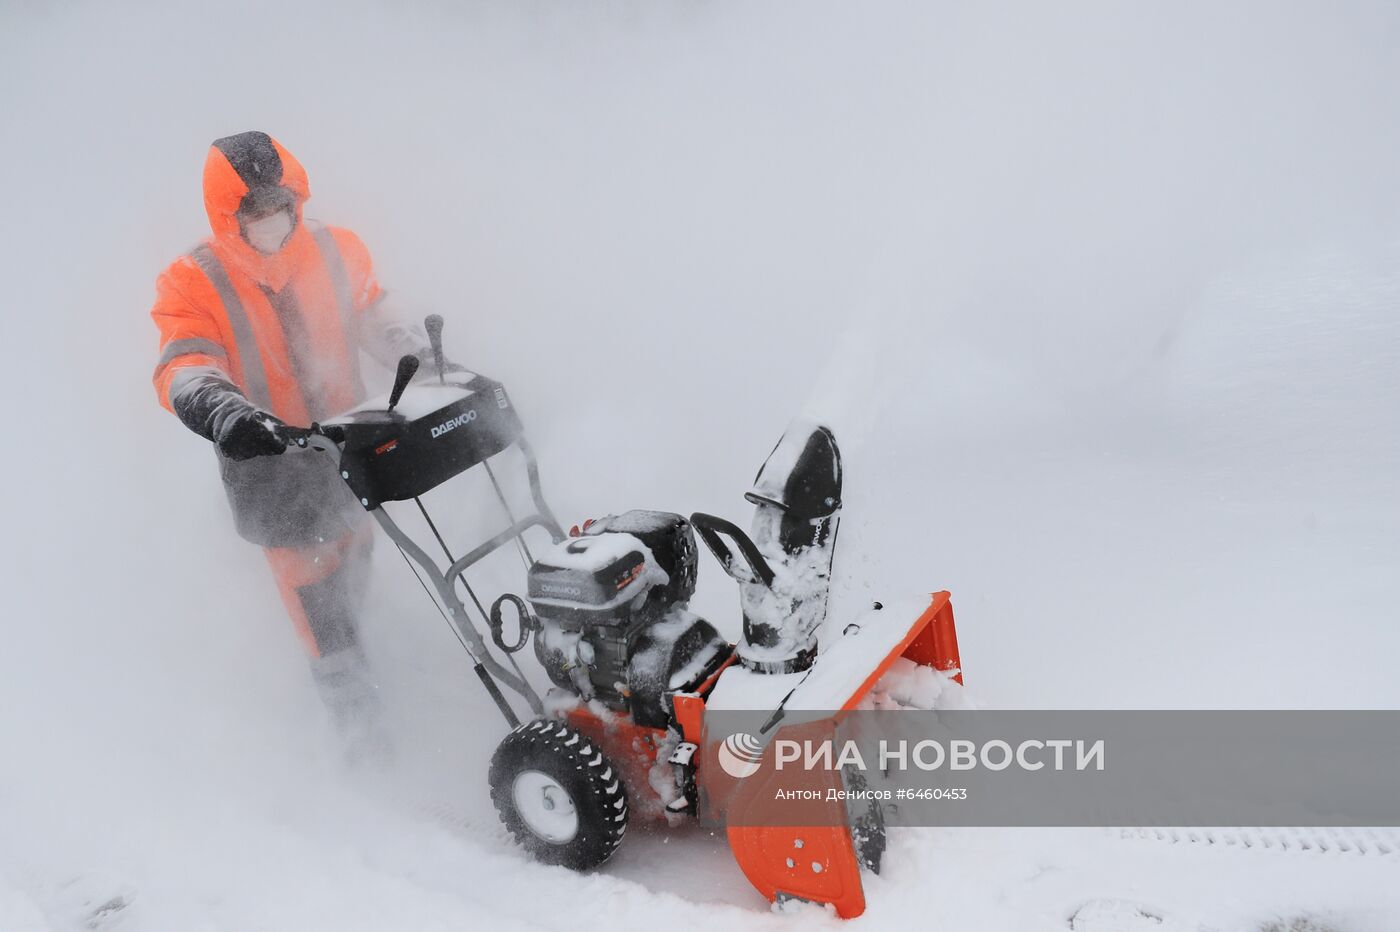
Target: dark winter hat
<point>251,175</point>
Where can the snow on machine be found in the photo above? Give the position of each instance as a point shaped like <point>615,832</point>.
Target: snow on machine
<point>634,673</point>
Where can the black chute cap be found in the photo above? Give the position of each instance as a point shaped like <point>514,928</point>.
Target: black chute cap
<point>802,475</point>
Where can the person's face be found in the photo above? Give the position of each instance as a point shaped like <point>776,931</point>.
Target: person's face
<point>269,232</point>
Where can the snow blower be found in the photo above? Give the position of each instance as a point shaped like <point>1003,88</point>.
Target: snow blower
<point>622,730</point>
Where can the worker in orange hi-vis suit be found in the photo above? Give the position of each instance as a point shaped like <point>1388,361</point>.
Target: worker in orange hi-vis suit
<point>261,325</point>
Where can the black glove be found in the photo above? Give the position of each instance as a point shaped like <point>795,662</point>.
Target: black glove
<point>251,433</point>
<point>216,410</point>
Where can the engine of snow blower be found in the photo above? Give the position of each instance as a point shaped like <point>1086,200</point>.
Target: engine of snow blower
<point>611,609</point>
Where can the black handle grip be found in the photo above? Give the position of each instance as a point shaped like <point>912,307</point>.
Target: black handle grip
<point>710,530</point>
<point>433,324</point>
<point>408,368</point>
<point>301,436</point>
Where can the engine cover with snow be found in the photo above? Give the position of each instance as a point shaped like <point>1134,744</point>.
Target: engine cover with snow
<point>593,580</point>
<point>670,540</point>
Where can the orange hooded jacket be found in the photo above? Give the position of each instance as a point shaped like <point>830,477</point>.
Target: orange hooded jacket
<point>284,329</point>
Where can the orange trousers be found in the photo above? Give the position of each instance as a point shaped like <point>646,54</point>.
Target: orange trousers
<point>323,586</point>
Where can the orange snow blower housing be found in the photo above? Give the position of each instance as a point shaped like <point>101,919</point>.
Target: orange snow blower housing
<point>815,863</point>
<point>820,863</point>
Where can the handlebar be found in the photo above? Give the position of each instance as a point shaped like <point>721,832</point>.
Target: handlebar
<point>305,438</point>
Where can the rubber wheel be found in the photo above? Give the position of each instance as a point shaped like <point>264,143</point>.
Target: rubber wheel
<point>558,795</point>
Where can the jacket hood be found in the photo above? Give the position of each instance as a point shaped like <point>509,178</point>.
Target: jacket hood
<point>252,168</point>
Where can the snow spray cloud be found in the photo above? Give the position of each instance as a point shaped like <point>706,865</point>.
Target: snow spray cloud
<point>1002,768</point>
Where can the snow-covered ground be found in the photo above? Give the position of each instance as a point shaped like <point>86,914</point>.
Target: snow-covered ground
<point>1101,300</point>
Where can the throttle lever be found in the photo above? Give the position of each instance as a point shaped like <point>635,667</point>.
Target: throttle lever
<point>433,324</point>
<point>408,368</point>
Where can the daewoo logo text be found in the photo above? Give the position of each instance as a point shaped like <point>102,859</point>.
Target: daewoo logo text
<point>453,424</point>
